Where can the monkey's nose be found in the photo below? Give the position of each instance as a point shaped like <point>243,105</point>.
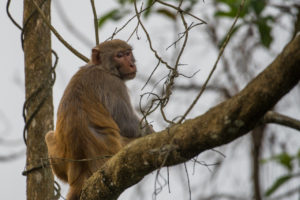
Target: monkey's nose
<point>132,65</point>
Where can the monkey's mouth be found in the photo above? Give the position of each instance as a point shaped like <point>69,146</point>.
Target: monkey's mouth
<point>129,75</point>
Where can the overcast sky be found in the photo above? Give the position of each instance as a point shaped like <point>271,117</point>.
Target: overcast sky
<point>12,85</point>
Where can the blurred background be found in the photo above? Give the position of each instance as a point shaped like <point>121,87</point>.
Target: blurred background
<point>262,165</point>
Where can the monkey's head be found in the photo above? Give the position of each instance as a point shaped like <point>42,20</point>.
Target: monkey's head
<point>115,56</point>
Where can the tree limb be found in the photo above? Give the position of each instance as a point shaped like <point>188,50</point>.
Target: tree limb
<point>220,125</point>
<point>276,118</point>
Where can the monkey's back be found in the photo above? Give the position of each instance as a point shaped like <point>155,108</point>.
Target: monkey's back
<point>85,96</point>
<point>84,126</point>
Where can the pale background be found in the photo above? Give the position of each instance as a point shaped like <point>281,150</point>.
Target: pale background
<point>235,179</point>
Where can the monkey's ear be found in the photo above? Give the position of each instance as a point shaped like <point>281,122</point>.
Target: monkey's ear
<point>96,59</point>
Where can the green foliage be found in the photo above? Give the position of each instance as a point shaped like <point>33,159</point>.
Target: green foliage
<point>258,6</point>
<point>287,161</point>
<point>233,6</point>
<point>265,30</point>
<point>167,13</point>
<point>118,13</point>
<point>280,181</point>
<point>114,15</point>
<point>251,14</point>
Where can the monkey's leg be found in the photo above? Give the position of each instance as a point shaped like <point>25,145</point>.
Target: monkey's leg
<point>75,190</point>
<point>58,164</point>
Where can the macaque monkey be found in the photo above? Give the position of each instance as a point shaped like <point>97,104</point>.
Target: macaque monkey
<point>95,118</point>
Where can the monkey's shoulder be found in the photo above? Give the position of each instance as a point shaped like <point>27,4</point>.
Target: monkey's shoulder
<point>95,73</point>
<point>91,81</point>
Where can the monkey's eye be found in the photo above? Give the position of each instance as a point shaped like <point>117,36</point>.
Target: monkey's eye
<point>120,54</point>
<point>127,53</point>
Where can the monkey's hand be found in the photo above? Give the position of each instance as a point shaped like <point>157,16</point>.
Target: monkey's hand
<point>146,129</point>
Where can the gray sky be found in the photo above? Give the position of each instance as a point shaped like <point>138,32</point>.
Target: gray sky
<point>12,89</point>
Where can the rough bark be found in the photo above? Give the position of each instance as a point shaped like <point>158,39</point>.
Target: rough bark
<point>38,63</point>
<point>220,125</point>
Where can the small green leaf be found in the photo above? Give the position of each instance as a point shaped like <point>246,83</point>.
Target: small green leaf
<point>167,13</point>
<point>264,161</point>
<point>285,160</point>
<point>113,15</point>
<point>122,2</point>
<point>277,184</point>
<point>231,14</point>
<point>148,11</point>
<point>258,6</point>
<point>265,33</point>
<point>233,7</point>
<point>107,16</point>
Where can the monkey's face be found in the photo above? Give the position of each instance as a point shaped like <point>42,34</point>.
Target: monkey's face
<point>125,64</point>
<point>115,56</point>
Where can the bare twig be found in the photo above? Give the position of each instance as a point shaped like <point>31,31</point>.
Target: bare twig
<point>149,39</point>
<point>188,180</point>
<point>216,63</point>
<point>10,17</point>
<point>68,24</point>
<point>59,37</point>
<point>120,29</point>
<point>180,10</point>
<point>273,117</point>
<point>95,22</point>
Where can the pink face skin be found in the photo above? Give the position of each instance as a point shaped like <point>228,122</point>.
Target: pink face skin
<point>127,65</point>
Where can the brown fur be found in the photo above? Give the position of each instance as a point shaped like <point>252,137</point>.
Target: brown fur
<point>95,116</point>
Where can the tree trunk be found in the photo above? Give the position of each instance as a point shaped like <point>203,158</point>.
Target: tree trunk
<point>39,105</point>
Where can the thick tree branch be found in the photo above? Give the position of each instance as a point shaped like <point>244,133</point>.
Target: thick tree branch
<point>220,125</point>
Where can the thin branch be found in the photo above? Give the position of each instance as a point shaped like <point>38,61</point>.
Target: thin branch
<point>95,22</point>
<point>188,180</point>
<point>148,37</point>
<point>273,117</point>
<point>120,29</point>
<point>191,26</point>
<point>216,63</point>
<point>71,26</point>
<point>10,17</point>
<point>225,92</point>
<point>180,10</point>
<point>174,72</point>
<point>59,37</point>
